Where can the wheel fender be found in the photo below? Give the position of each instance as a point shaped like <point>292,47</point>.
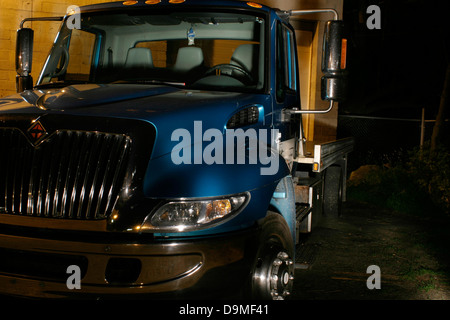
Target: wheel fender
<point>283,201</point>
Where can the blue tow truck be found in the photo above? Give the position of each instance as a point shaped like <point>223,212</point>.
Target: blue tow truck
<point>160,153</point>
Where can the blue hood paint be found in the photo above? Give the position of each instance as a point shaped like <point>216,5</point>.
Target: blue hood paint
<point>88,95</point>
<point>168,109</point>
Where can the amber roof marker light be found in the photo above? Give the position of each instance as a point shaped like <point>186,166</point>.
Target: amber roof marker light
<point>254,5</point>
<point>129,3</point>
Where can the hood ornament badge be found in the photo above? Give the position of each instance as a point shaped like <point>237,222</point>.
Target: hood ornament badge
<point>36,133</point>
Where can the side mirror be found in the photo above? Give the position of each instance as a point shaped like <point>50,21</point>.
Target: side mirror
<point>334,55</point>
<point>24,57</point>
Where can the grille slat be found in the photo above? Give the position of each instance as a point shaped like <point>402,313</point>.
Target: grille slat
<point>15,173</point>
<point>70,175</point>
<point>9,196</point>
<point>84,196</point>
<point>94,187</point>
<point>20,177</point>
<point>31,187</point>
<point>81,167</point>
<point>117,153</point>
<point>59,168</point>
<point>2,174</point>
<point>100,173</point>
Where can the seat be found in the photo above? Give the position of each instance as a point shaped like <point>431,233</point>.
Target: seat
<point>139,58</point>
<point>246,56</point>
<point>188,58</point>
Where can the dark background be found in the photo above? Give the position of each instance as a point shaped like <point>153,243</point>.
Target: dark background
<point>393,72</point>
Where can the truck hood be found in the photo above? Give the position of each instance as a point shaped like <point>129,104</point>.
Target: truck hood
<point>88,95</point>
<point>175,114</point>
<point>168,108</point>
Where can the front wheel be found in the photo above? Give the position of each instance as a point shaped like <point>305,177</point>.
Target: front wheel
<point>273,273</point>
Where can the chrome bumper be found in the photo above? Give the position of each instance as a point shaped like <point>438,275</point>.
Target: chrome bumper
<point>35,266</point>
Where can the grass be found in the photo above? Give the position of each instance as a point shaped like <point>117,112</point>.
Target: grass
<point>418,185</point>
<point>426,279</point>
<point>391,188</point>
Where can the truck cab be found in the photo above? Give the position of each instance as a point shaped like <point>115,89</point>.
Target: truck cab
<point>160,152</point>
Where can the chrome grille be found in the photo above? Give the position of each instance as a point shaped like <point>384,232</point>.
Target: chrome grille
<point>70,175</point>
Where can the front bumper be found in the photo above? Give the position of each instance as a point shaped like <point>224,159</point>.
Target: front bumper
<point>32,266</point>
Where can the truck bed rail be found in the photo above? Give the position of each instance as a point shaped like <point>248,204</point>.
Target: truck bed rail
<point>326,154</point>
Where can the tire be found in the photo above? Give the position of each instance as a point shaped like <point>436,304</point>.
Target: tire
<point>273,271</point>
<point>332,193</point>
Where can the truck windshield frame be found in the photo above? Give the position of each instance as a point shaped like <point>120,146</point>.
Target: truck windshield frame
<point>205,49</point>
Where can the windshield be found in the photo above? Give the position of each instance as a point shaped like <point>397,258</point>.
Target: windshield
<point>204,50</point>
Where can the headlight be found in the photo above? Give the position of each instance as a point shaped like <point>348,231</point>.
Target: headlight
<point>185,215</point>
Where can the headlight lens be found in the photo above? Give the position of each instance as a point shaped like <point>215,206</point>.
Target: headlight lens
<point>185,215</point>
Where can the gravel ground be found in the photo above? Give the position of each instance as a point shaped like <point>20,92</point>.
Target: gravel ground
<point>411,253</point>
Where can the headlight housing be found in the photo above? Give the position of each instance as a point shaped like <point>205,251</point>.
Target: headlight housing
<point>187,215</point>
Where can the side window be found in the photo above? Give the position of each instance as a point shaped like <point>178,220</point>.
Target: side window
<point>291,80</point>
<point>286,62</point>
<point>81,53</point>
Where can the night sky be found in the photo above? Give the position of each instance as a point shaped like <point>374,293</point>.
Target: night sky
<point>399,69</point>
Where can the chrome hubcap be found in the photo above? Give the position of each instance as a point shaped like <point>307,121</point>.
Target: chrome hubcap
<point>281,276</point>
<point>274,276</point>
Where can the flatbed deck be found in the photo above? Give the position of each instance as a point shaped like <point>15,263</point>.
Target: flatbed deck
<point>322,155</point>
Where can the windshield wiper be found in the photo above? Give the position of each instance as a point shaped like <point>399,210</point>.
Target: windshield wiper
<point>143,81</point>
<point>59,84</point>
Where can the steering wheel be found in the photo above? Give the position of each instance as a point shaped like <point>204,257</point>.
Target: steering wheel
<point>227,69</point>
